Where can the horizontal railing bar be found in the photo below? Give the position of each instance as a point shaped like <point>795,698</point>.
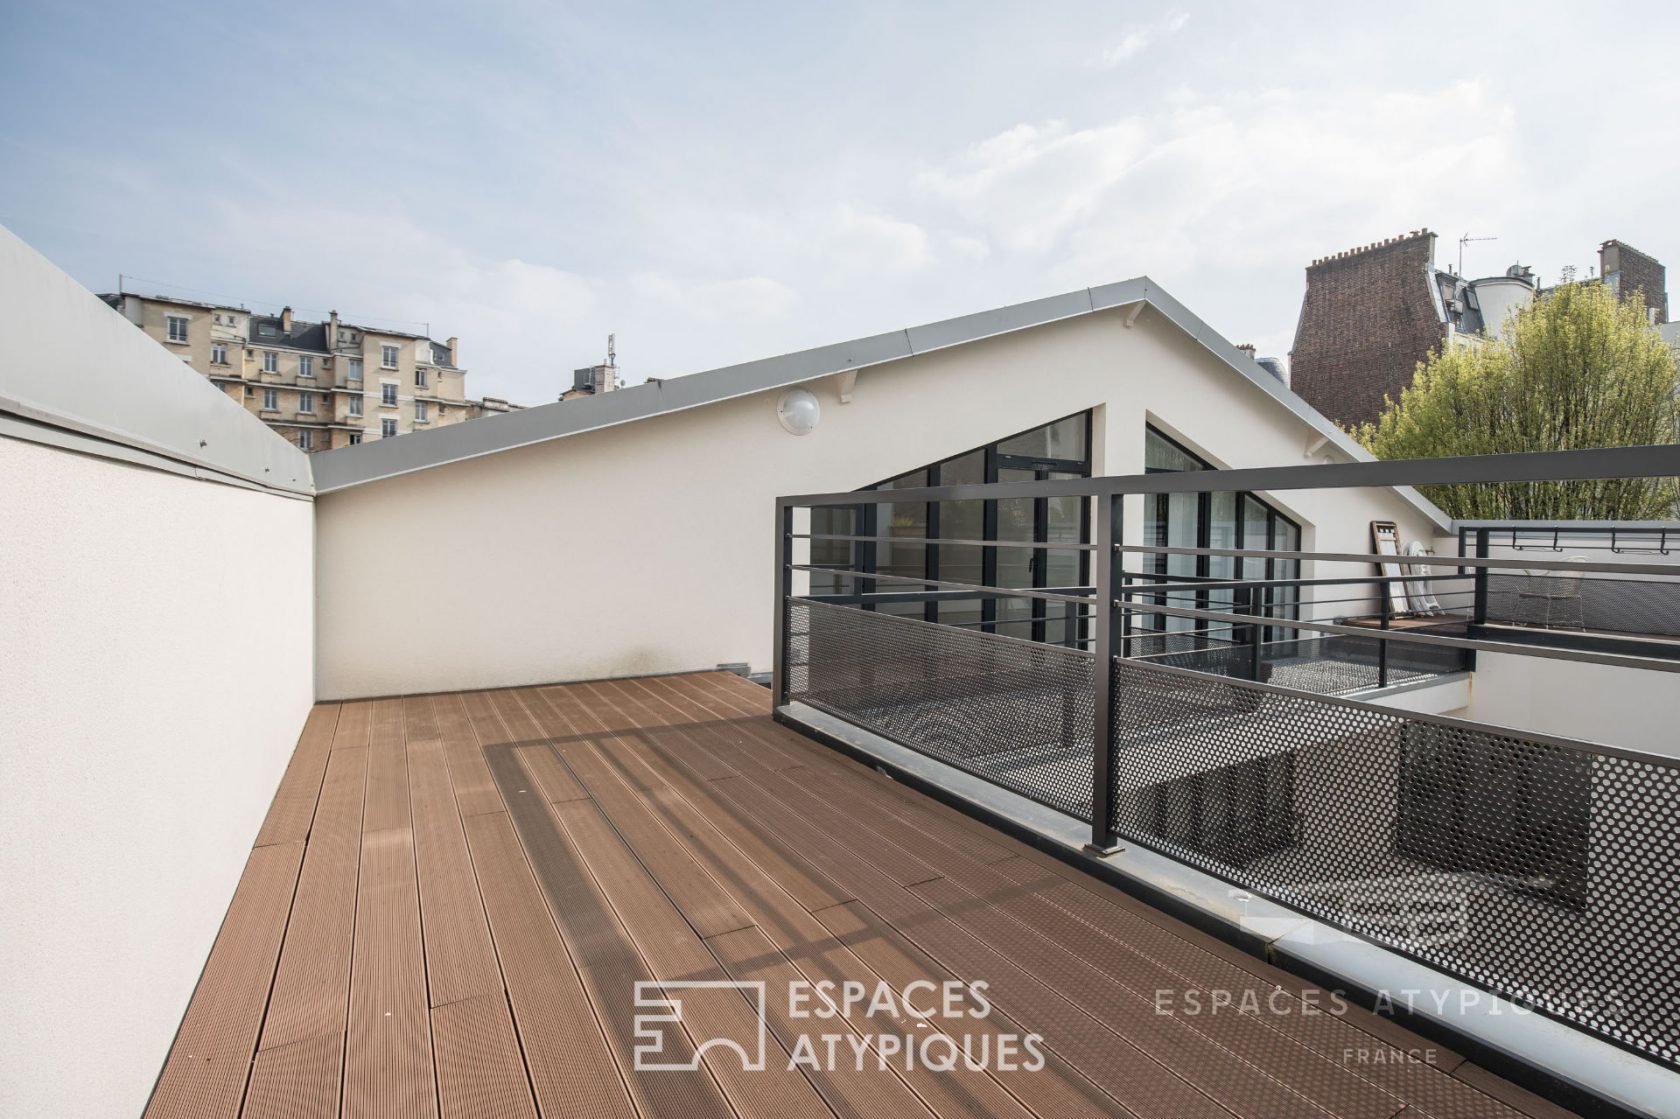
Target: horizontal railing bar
<point>1405,715</point>
<point>1518,562</point>
<point>1054,547</point>
<point>1412,637</point>
<point>1000,592</point>
<point>1239,584</point>
<point>1600,464</point>
<point>1051,646</point>
<point>840,598</point>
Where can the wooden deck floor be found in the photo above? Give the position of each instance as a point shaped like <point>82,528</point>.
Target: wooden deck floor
<point>453,899</point>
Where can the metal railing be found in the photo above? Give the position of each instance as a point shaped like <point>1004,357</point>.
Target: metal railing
<point>1236,724</point>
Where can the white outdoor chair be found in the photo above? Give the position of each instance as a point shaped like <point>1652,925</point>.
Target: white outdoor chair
<point>1555,596</point>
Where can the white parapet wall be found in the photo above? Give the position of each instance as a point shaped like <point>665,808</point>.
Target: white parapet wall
<point>156,644</point>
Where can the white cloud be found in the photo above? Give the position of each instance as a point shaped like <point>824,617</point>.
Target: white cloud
<point>1223,184</point>
<point>871,240</point>
<point>1135,41</point>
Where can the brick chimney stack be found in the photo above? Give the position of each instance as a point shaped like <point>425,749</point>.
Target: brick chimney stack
<point>1627,270</point>
<point>454,352</point>
<point>1248,349</point>
<point>1367,319</point>
<point>332,331</point>
<point>286,320</point>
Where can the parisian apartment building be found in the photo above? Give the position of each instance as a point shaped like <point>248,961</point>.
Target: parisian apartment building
<point>322,385</point>
<point>1372,313</point>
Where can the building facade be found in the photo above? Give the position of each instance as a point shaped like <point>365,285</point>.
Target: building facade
<point>321,385</point>
<point>1372,313</point>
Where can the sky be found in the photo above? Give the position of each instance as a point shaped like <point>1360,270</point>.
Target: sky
<point>723,182</point>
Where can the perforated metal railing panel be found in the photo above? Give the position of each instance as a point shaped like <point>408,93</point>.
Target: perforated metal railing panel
<point>1565,601</point>
<point>1016,713</point>
<point>1546,872</point>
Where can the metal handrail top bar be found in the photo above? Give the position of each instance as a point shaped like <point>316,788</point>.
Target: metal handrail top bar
<point>1238,584</point>
<point>944,540</point>
<point>1660,461</point>
<point>1413,637</point>
<point>997,592</point>
<point>1520,562</point>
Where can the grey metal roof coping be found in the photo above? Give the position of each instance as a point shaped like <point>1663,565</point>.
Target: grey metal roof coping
<point>372,462</point>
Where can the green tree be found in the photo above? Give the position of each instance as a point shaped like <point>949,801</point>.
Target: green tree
<point>1575,369</point>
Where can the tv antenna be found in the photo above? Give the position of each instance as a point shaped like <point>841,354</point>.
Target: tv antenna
<point>1463,241</point>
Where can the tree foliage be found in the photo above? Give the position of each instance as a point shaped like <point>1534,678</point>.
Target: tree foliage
<point>1575,369</point>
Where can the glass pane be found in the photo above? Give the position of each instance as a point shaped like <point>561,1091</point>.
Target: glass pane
<point>1222,533</point>
<point>907,519</point>
<point>962,520</point>
<point>1015,522</point>
<point>1159,454</point>
<point>839,521</point>
<point>1064,439</point>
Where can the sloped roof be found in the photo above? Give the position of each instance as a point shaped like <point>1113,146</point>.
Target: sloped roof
<point>389,458</point>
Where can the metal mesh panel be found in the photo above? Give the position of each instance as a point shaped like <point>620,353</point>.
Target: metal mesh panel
<point>1567,601</point>
<point>1546,872</point>
<point>1302,660</point>
<point>1015,713</point>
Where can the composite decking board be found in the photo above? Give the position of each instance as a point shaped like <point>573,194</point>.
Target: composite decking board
<point>798,937</point>
<point>420,722</point>
<point>209,1063</point>
<point>503,929</point>
<point>1213,1049</point>
<point>752,701</point>
<point>1067,955</point>
<point>355,723</point>
<point>387,787</point>
<point>543,763</point>
<point>668,857</point>
<point>293,807</point>
<point>1053,1091</point>
<point>1520,1100</point>
<point>1336,1030</point>
<point>671,951</point>
<point>300,1080</point>
<point>1141,1084</point>
<point>572,1070</point>
<point>697,816</point>
<point>388,1066</point>
<point>460,960</point>
<point>480,1072</point>
<point>511,709</point>
<point>475,791</point>
<point>601,948</point>
<point>311,995</point>
<point>1179,964</point>
<point>1318,1055</point>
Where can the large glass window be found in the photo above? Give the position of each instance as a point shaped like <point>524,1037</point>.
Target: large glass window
<point>1209,520</point>
<point>959,530</point>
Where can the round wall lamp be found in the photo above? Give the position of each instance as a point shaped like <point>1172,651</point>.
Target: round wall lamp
<point>799,411</point>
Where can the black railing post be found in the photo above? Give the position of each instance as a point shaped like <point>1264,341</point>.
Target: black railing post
<point>1105,646</point>
<point>1479,612</point>
<point>1255,630</point>
<point>784,590</point>
<point>1382,642</point>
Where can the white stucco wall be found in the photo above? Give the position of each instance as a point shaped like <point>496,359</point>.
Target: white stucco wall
<point>155,660</point>
<point>648,547</point>
<point>1628,707</point>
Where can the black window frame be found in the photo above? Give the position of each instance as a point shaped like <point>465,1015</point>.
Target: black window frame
<point>1157,561</point>
<point>866,522</point>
